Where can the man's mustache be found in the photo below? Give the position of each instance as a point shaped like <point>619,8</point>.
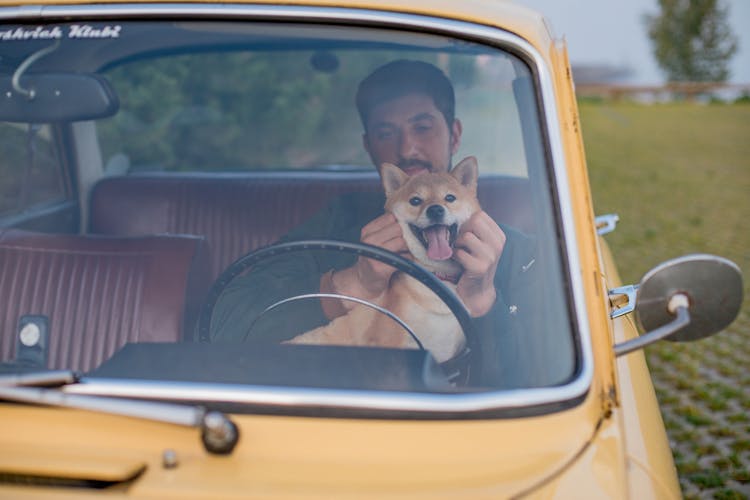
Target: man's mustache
<point>404,164</point>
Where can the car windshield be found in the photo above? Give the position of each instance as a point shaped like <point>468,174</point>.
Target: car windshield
<point>221,202</point>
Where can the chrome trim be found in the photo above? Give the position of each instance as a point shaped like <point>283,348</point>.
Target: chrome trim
<point>363,399</point>
<point>605,224</point>
<point>628,290</point>
<point>310,397</point>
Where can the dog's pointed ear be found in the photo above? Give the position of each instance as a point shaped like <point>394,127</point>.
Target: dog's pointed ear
<point>467,172</point>
<point>393,177</point>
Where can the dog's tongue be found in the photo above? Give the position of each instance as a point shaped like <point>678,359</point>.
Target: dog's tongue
<point>438,246</point>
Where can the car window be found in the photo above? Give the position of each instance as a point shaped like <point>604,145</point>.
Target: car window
<point>31,174</point>
<point>314,138</point>
<point>275,108</point>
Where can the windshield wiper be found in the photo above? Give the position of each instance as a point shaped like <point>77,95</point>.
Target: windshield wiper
<point>218,433</point>
<point>49,378</point>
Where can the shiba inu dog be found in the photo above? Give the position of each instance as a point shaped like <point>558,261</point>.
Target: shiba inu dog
<point>430,208</point>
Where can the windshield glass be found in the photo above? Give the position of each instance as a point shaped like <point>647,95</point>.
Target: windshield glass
<point>144,162</point>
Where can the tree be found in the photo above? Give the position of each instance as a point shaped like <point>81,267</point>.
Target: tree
<point>692,40</point>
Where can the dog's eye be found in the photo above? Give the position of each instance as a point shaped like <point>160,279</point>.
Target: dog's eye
<point>415,201</point>
<point>450,198</point>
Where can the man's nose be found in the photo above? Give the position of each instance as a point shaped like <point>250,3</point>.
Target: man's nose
<point>408,146</point>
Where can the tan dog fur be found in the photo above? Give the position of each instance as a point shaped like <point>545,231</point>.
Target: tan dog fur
<point>421,309</point>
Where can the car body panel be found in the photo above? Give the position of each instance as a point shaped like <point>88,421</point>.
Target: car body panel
<point>610,443</point>
<point>646,442</point>
<point>334,458</point>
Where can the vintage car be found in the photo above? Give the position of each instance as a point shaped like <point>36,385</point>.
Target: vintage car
<point>185,192</point>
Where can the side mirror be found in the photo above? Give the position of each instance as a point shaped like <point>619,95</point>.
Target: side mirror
<point>687,298</point>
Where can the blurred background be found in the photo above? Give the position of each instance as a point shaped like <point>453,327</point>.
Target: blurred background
<point>671,156</point>
<point>608,40</point>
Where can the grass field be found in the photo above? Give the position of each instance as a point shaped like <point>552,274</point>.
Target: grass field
<point>679,177</point>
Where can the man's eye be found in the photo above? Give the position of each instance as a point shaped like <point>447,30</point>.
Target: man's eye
<point>415,201</point>
<point>450,198</point>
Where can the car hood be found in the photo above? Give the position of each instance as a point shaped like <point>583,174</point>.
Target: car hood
<point>307,457</point>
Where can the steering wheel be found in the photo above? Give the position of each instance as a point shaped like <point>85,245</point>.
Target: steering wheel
<point>449,298</point>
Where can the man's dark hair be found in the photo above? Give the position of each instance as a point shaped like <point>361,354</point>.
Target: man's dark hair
<point>402,77</point>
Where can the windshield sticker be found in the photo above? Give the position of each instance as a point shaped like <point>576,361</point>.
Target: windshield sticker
<point>73,31</point>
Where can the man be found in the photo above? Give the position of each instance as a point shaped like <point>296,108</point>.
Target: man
<point>407,109</point>
<point>404,126</point>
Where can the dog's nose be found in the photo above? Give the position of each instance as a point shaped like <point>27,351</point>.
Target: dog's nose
<point>435,213</point>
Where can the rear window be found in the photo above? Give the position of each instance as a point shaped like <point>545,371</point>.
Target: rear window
<point>272,107</point>
<point>31,172</point>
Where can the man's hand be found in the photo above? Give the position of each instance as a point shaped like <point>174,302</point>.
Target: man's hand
<point>368,278</point>
<point>384,232</point>
<point>478,250</point>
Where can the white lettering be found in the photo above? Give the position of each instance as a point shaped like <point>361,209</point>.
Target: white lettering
<point>38,33</point>
<point>87,31</point>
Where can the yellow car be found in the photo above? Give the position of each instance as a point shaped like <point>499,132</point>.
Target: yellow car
<point>317,249</point>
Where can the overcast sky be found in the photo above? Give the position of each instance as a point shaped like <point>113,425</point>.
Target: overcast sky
<point>612,32</point>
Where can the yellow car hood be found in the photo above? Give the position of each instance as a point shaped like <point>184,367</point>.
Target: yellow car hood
<point>71,451</point>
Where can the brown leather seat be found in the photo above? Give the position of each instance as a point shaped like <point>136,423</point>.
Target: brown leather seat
<point>99,292</point>
<point>242,212</point>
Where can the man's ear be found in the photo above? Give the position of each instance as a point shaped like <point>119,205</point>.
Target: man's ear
<point>393,177</point>
<point>456,130</point>
<point>366,142</point>
<point>467,172</point>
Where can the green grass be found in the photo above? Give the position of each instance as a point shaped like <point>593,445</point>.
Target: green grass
<point>678,175</point>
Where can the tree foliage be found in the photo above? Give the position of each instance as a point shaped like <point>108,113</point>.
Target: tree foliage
<point>692,40</point>
<point>237,110</point>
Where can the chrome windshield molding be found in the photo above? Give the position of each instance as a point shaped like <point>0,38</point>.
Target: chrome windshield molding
<point>407,402</point>
<point>494,36</point>
<point>21,12</point>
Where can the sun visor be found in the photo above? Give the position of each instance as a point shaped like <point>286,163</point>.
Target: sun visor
<point>56,97</point>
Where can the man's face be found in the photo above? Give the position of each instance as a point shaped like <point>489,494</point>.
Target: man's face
<point>412,133</point>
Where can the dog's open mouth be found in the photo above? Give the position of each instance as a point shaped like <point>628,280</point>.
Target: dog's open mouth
<point>437,239</point>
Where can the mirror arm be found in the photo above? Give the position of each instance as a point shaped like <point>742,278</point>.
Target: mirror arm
<point>16,80</point>
<point>678,305</point>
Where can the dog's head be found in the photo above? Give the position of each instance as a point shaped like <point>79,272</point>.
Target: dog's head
<point>431,207</point>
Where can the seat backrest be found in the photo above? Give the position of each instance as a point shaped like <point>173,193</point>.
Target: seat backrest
<point>99,292</point>
<point>240,213</point>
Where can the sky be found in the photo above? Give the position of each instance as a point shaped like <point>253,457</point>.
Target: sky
<point>612,32</point>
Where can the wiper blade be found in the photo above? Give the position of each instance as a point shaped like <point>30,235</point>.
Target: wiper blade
<point>50,378</point>
<point>218,433</point>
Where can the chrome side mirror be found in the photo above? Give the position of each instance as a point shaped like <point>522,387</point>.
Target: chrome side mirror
<point>687,298</point>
